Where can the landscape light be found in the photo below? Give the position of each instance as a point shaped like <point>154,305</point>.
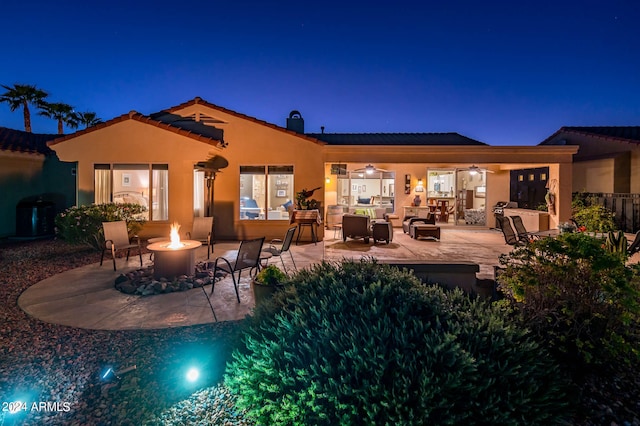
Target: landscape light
<point>193,374</point>
<point>107,374</point>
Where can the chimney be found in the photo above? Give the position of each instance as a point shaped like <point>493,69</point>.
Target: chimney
<point>295,122</point>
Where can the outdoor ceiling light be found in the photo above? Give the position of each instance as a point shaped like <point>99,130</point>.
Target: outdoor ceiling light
<point>370,169</point>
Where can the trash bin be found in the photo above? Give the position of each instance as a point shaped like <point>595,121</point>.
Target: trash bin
<point>35,218</point>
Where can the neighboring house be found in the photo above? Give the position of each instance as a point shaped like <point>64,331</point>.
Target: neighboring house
<point>608,160</point>
<point>161,161</point>
<point>30,171</point>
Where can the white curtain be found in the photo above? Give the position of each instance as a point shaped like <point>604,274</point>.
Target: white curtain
<point>160,195</point>
<point>102,190</point>
<point>198,193</point>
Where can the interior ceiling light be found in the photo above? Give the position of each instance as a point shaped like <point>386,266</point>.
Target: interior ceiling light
<point>370,169</point>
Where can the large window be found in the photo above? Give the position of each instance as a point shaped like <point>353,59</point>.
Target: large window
<point>362,189</point>
<point>144,184</point>
<point>265,192</point>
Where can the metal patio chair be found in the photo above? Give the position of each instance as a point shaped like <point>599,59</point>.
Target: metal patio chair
<point>202,231</point>
<point>248,257</point>
<point>117,239</point>
<point>509,234</point>
<point>285,245</point>
<point>523,234</point>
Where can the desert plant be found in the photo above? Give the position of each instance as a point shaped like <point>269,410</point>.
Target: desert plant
<point>617,243</point>
<point>577,296</point>
<point>363,343</point>
<point>83,224</point>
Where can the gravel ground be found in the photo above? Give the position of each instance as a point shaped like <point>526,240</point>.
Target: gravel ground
<point>63,366</point>
<point>60,366</point>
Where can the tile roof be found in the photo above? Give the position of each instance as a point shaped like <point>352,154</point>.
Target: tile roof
<point>199,101</point>
<point>395,139</point>
<point>189,124</point>
<point>19,141</point>
<point>630,134</point>
<point>161,121</point>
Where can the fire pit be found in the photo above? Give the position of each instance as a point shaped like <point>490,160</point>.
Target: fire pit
<point>174,258</point>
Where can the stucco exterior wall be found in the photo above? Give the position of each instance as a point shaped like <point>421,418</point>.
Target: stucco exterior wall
<point>251,143</point>
<point>133,142</point>
<point>594,176</point>
<point>634,184</point>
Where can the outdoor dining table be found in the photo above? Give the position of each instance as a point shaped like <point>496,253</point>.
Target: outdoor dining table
<point>310,218</point>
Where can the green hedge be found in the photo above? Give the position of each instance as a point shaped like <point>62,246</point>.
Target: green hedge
<point>83,224</point>
<point>362,343</point>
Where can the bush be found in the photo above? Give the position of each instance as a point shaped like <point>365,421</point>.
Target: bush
<point>594,217</point>
<point>577,296</point>
<point>83,224</point>
<point>271,276</point>
<point>362,343</point>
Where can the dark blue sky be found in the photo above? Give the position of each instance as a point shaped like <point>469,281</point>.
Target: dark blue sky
<point>505,73</point>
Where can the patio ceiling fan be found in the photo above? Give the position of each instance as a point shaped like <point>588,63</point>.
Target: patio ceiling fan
<point>370,169</point>
<point>474,170</point>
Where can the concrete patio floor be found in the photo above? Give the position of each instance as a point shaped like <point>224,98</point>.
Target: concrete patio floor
<point>86,298</point>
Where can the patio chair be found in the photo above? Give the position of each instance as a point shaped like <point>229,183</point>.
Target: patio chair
<point>509,234</point>
<point>410,220</point>
<point>116,239</point>
<point>248,258</point>
<point>356,226</point>
<point>634,247</point>
<point>522,232</point>
<point>202,231</point>
<point>285,244</point>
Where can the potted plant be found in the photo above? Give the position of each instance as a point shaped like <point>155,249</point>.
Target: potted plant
<point>266,283</point>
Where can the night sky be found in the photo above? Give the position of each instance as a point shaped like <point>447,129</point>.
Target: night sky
<point>505,73</point>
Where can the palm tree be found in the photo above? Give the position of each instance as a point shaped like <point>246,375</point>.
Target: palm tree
<point>21,95</point>
<point>87,118</point>
<point>62,112</point>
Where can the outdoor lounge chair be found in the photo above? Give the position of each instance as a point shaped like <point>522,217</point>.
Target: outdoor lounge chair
<point>356,226</point>
<point>522,232</point>
<point>509,234</point>
<point>634,247</point>
<point>410,220</point>
<point>284,247</point>
<point>202,231</point>
<point>248,258</point>
<point>116,239</point>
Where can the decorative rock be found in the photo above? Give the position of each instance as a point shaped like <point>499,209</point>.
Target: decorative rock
<point>141,281</point>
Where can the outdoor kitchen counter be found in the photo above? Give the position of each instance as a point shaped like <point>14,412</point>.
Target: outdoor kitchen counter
<point>533,220</point>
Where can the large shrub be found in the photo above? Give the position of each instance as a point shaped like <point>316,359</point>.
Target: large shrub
<point>362,343</point>
<point>577,296</point>
<point>83,224</point>
<point>593,216</point>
